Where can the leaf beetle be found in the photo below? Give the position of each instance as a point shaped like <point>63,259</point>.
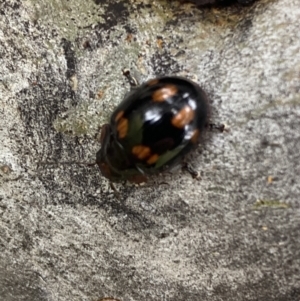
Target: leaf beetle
<point>152,129</point>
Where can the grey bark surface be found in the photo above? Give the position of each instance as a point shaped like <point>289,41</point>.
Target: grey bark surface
<point>233,234</point>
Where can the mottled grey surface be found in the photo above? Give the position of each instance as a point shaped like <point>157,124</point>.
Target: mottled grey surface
<point>233,235</point>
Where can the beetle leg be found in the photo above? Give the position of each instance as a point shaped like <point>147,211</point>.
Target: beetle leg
<point>189,168</point>
<point>220,127</point>
<point>132,80</point>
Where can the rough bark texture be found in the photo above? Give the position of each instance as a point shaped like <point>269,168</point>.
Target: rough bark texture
<point>232,235</point>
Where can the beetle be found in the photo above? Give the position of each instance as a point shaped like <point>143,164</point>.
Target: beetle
<point>152,129</point>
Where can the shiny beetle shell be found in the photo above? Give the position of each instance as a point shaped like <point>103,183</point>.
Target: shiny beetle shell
<point>152,129</point>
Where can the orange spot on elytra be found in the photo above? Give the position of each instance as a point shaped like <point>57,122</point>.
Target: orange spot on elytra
<point>141,152</point>
<point>152,82</point>
<point>195,136</point>
<point>122,127</point>
<point>164,93</point>
<point>119,115</point>
<point>183,117</point>
<point>152,159</point>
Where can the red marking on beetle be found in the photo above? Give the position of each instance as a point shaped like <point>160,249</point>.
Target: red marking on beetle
<point>122,127</point>
<point>164,93</point>
<point>152,82</point>
<point>152,159</point>
<point>183,117</point>
<point>119,116</point>
<point>195,136</point>
<point>141,152</point>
